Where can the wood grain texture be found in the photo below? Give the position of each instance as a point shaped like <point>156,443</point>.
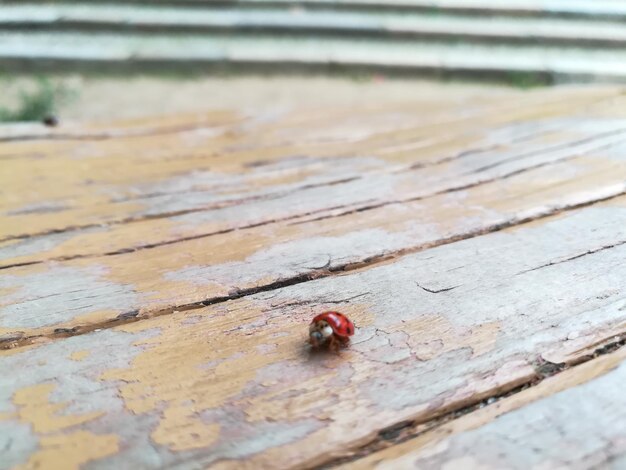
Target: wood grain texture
<point>204,204</point>
<point>234,386</point>
<point>139,170</point>
<point>160,312</point>
<point>152,266</point>
<point>576,422</point>
<point>229,264</point>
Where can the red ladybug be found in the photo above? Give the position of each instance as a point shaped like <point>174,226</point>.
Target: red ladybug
<point>330,328</point>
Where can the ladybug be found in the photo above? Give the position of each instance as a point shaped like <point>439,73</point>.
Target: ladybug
<point>332,329</point>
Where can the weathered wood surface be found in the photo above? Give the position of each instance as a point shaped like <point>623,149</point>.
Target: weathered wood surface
<point>578,422</point>
<point>320,223</point>
<point>477,246</point>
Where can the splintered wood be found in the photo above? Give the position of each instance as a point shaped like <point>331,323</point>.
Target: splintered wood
<point>158,278</point>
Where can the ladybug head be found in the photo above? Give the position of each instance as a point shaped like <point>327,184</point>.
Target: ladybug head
<point>319,332</point>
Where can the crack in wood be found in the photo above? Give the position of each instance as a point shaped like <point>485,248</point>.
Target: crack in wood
<point>572,258</point>
<point>439,193</point>
<point>556,147</point>
<point>435,291</point>
<point>472,151</point>
<point>320,301</point>
<point>479,150</point>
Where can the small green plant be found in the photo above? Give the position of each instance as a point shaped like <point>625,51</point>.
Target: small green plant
<point>525,80</point>
<point>36,104</point>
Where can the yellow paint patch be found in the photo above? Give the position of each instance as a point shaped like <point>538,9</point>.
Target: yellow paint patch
<point>18,350</point>
<point>10,331</point>
<point>194,434</point>
<point>59,449</point>
<point>70,451</point>
<point>34,408</point>
<point>5,416</point>
<point>190,368</point>
<point>91,318</point>
<point>79,355</point>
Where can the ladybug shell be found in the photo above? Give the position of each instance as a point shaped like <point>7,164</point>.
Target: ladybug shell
<point>341,325</point>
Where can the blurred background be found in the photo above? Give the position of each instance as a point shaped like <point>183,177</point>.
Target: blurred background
<point>129,58</point>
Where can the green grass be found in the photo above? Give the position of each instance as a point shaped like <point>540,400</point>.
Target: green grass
<point>526,80</point>
<point>37,104</point>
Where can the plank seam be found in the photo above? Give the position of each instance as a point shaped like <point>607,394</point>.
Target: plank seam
<point>435,291</point>
<point>558,147</point>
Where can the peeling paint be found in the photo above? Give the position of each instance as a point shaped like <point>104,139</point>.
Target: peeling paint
<point>292,257</point>
<point>61,293</point>
<point>41,244</point>
<point>572,428</point>
<point>68,412</point>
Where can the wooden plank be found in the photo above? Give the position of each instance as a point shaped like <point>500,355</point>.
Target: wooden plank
<point>233,385</point>
<point>575,421</point>
<point>468,271</point>
<point>322,187</point>
<point>210,268</point>
<point>223,148</point>
<point>21,134</point>
<point>159,168</point>
<point>97,192</point>
<point>147,282</point>
<point>608,7</point>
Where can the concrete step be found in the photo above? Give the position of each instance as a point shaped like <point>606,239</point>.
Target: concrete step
<point>35,49</point>
<point>392,26</point>
<point>597,9</point>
